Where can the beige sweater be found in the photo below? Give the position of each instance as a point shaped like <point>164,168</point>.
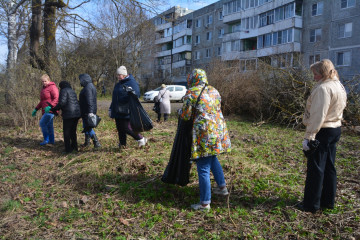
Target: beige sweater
<point>324,107</point>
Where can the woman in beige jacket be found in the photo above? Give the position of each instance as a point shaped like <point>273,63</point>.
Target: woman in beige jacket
<point>322,118</point>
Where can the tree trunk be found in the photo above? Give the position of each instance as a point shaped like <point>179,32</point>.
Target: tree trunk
<point>35,33</point>
<point>51,61</point>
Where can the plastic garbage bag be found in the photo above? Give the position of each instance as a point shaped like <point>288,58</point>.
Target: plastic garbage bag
<point>139,119</point>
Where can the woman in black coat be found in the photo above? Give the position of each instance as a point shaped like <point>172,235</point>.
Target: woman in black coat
<point>70,112</point>
<point>88,105</point>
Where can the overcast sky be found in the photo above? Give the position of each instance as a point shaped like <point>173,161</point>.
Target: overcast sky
<point>190,4</point>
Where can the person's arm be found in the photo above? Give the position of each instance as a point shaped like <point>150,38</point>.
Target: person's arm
<point>318,111</point>
<point>186,110</point>
<point>63,98</point>
<point>54,96</point>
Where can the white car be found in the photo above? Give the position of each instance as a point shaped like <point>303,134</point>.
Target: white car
<point>177,93</point>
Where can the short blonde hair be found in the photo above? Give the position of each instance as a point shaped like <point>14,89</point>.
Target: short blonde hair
<point>325,68</point>
<point>45,76</point>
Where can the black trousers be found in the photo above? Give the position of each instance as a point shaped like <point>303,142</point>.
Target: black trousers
<point>320,185</point>
<point>166,116</point>
<point>123,127</point>
<point>70,137</point>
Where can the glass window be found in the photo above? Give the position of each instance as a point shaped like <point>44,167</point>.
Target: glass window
<point>260,42</point>
<point>345,30</point>
<point>171,89</point>
<point>267,42</point>
<point>178,89</point>
<point>220,15</point>
<point>348,3</point>
<point>279,14</point>
<point>219,51</point>
<point>290,35</point>
<point>289,10</point>
<point>343,58</point>
<point>317,9</point>
<point>275,38</point>
<point>208,36</point>
<point>221,33</point>
<point>315,35</point>
<point>208,53</point>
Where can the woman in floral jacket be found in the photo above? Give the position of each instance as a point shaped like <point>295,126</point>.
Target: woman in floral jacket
<point>209,135</point>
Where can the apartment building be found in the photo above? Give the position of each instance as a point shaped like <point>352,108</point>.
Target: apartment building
<point>283,33</point>
<point>332,30</point>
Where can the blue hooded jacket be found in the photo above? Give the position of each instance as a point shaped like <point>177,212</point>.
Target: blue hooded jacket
<point>121,96</point>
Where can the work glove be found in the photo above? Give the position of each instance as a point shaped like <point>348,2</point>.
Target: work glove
<point>47,109</point>
<point>305,145</point>
<point>33,113</point>
<point>129,89</point>
<point>109,112</point>
<point>311,146</point>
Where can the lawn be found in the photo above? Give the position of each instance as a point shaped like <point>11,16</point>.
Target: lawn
<point>113,194</point>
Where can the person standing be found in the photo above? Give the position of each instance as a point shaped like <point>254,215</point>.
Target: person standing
<point>210,135</point>
<point>165,106</point>
<point>88,105</point>
<point>49,97</point>
<point>70,112</point>
<point>119,107</point>
<point>322,118</point>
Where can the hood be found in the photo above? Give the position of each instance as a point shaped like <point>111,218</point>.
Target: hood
<point>64,84</point>
<point>85,79</point>
<point>50,84</point>
<point>197,78</point>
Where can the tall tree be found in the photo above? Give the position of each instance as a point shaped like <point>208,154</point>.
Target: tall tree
<point>10,8</point>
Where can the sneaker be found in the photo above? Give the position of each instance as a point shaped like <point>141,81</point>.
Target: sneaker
<point>220,191</point>
<point>142,142</point>
<point>199,206</point>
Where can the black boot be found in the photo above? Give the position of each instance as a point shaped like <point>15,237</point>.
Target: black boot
<point>87,141</point>
<point>96,142</point>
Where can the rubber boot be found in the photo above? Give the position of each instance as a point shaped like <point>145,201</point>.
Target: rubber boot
<point>51,138</point>
<point>87,141</point>
<point>95,141</point>
<point>46,139</point>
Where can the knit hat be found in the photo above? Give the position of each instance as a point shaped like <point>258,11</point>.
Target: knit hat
<point>122,70</point>
<point>163,86</point>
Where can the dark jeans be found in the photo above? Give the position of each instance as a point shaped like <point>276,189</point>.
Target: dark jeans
<point>70,138</point>
<point>320,185</point>
<point>166,116</point>
<point>123,127</point>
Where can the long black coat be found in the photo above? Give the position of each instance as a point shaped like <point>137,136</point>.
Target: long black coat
<point>68,102</point>
<point>87,96</point>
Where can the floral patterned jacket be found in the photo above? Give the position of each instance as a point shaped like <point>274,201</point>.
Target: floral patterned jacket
<point>209,134</point>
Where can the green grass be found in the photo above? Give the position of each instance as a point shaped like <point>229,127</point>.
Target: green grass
<point>117,194</point>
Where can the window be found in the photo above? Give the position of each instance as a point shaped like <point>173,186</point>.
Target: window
<point>279,14</point>
<point>314,58</point>
<point>208,36</point>
<point>220,15</point>
<point>209,19</point>
<point>345,30</point>
<point>317,9</point>
<point>235,46</point>
<point>347,3</point>
<point>221,33</point>
<point>198,23</point>
<point>315,35</point>
<point>289,10</point>
<point>343,58</point>
<point>219,51</point>
<point>179,89</point>
<point>197,39</point>
<point>197,55</point>
<point>207,53</point>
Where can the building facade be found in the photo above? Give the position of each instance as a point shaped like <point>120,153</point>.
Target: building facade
<point>283,33</point>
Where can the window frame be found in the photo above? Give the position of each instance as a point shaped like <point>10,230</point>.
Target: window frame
<point>343,58</point>
<point>347,4</point>
<point>317,12</point>
<point>315,35</point>
<point>344,32</point>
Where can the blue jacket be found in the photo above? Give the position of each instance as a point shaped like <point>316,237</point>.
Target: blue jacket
<point>119,95</point>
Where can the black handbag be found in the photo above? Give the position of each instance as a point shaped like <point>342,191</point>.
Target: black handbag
<point>178,169</point>
<point>156,107</point>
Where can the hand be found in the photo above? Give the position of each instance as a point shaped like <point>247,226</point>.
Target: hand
<point>305,145</point>
<point>47,109</point>
<point>129,89</point>
<point>179,111</point>
<point>91,115</point>
<point>33,113</point>
<point>109,113</point>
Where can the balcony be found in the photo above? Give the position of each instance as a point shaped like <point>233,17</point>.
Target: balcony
<point>185,32</point>
<point>163,67</point>
<point>228,56</point>
<point>181,63</point>
<point>163,40</point>
<point>163,53</point>
<point>183,48</point>
<point>282,25</point>
<point>279,49</point>
<point>162,27</point>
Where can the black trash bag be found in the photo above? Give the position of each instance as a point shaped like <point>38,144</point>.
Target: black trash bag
<point>139,119</point>
<point>156,107</point>
<point>178,169</point>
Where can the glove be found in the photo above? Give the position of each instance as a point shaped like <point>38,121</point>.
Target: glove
<point>129,89</point>
<point>311,145</point>
<point>47,109</point>
<point>109,113</point>
<point>305,145</point>
<point>33,113</point>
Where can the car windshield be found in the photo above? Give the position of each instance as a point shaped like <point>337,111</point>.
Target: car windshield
<point>157,89</point>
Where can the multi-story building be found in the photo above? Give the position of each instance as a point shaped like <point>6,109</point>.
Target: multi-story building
<point>282,33</point>
<point>331,30</point>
